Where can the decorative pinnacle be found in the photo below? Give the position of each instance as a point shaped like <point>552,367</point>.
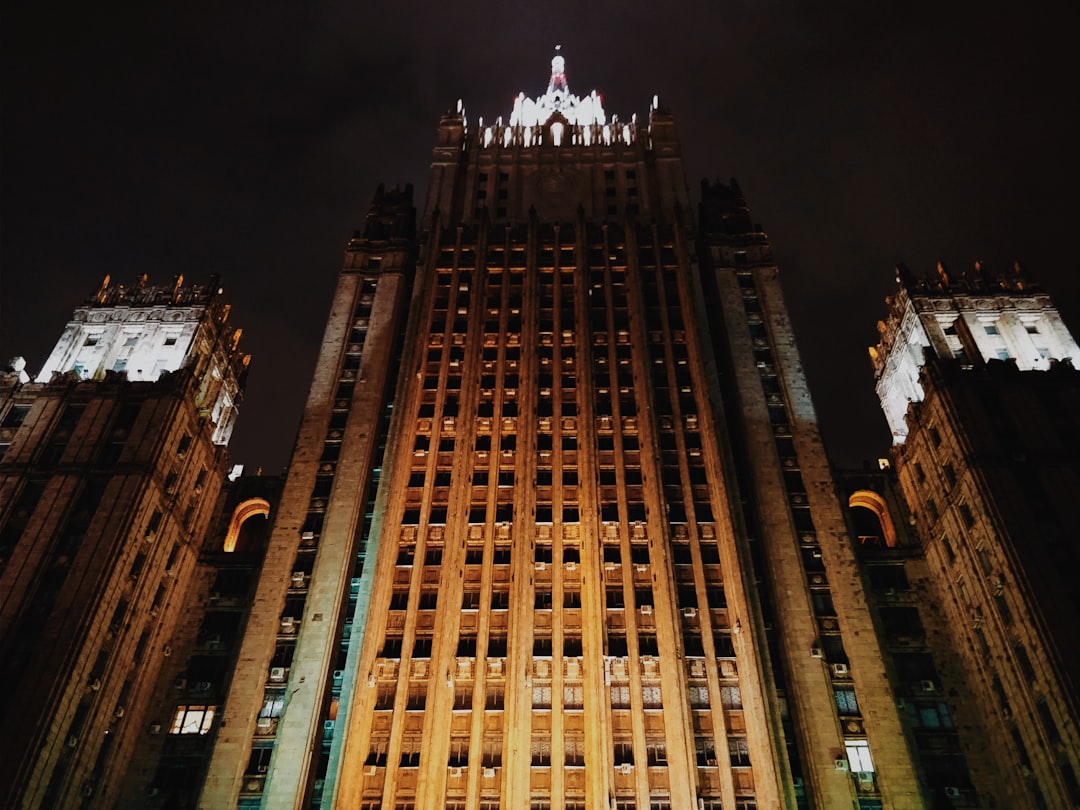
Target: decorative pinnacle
<point>558,74</point>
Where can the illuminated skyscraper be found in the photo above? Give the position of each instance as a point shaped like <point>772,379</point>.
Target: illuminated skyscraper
<point>110,465</point>
<point>584,551</point>
<point>975,376</point>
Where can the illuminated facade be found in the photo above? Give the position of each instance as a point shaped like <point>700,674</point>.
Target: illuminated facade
<point>584,551</point>
<point>975,376</point>
<point>109,475</point>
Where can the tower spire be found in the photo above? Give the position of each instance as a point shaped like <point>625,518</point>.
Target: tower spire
<point>558,74</point>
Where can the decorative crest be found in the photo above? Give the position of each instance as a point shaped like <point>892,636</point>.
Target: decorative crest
<point>558,99</point>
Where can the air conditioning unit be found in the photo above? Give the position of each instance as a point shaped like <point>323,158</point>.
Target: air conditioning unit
<point>952,792</point>
<point>298,579</point>
<point>181,684</point>
<point>626,768</point>
<point>455,773</point>
<point>339,676</point>
<point>646,610</point>
<point>571,566</point>
<point>928,686</point>
<point>689,613</point>
<point>540,566</point>
<point>840,764</point>
<point>489,773</point>
<point>817,652</point>
<point>88,790</point>
<point>839,670</point>
<point>94,685</point>
<point>155,728</point>
<point>288,624</point>
<point>641,569</point>
<point>72,741</point>
<point>307,537</point>
<point>866,778</point>
<point>264,724</point>
<point>277,673</point>
<point>119,712</point>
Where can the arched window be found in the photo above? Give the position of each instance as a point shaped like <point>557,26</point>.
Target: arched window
<point>243,511</point>
<point>870,500</point>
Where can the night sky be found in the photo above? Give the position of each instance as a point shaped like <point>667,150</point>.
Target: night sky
<point>246,139</point>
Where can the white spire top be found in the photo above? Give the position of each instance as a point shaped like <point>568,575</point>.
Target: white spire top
<point>558,98</point>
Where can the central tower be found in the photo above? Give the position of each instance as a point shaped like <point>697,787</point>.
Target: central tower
<point>594,558</point>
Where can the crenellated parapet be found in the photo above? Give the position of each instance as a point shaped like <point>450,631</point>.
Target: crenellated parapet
<point>142,332</point>
<point>967,318</point>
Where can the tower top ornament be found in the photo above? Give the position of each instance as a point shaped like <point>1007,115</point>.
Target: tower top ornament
<point>558,99</point>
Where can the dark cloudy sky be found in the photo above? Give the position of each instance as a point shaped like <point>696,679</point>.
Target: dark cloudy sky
<point>246,139</point>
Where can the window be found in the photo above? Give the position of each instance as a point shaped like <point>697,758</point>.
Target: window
<point>541,752</point>
<point>193,719</point>
<point>990,329</point>
<point>858,753</point>
<point>656,753</point>
<point>731,697</point>
<point>15,416</point>
<point>575,751</point>
<point>846,704</point>
<point>739,751</point>
<point>273,706</point>
<point>930,715</point>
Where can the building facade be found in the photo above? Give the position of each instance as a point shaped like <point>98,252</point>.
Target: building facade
<point>584,550</point>
<point>975,376</point>
<point>110,466</point>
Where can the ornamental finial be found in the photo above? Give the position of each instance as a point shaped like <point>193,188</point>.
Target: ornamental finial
<point>558,74</point>
<point>587,111</point>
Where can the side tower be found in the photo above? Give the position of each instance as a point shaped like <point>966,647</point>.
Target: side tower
<point>110,466</point>
<point>975,376</point>
<point>844,739</point>
<point>274,745</point>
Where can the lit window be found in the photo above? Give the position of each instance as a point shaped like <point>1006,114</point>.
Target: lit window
<point>846,703</point>
<point>858,753</point>
<point>273,707</point>
<point>193,719</point>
